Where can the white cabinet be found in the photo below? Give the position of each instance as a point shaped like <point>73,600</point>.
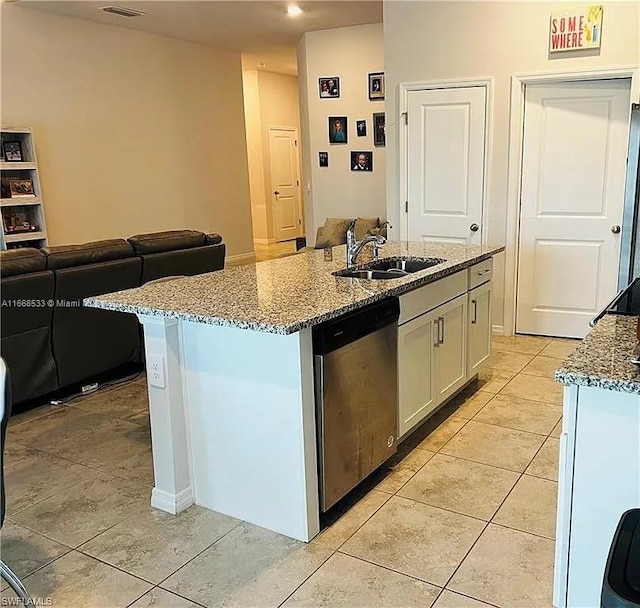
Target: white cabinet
<point>479,328</point>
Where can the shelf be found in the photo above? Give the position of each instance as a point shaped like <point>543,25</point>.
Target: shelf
<point>5,166</point>
<point>20,202</point>
<point>24,236</point>
<point>16,130</point>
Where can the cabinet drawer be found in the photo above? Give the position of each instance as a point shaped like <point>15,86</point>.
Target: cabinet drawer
<point>423,299</point>
<point>480,273</point>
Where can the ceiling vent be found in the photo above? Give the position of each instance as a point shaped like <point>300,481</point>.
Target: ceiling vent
<point>122,12</point>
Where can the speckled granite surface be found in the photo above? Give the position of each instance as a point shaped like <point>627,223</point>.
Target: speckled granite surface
<point>287,294</point>
<point>602,358</point>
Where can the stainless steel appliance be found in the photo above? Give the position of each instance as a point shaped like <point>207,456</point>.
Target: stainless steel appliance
<point>356,386</point>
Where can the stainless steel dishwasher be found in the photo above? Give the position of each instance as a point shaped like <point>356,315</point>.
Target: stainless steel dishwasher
<point>356,387</point>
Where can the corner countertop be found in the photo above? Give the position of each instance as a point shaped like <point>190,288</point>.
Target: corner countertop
<point>285,295</point>
<point>602,359</point>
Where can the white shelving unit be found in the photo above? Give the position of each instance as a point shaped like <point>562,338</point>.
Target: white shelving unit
<point>16,210</point>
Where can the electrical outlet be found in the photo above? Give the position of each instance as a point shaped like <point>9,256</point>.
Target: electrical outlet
<point>155,370</point>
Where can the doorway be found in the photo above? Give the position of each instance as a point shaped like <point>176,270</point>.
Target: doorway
<point>574,147</point>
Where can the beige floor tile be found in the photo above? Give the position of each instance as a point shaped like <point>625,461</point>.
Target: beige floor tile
<point>547,461</point>
<point>140,418</point>
<point>530,345</point>
<point>153,544</point>
<point>337,533</point>
<point>508,568</point>
<point>79,580</point>
<point>415,539</point>
<point>461,486</point>
<point>559,348</point>
<point>557,430</point>
<point>468,403</point>
<point>495,446</point>
<point>403,470</point>
<point>531,507</point>
<point>449,599</point>
<point>543,366</point>
<point>39,476</point>
<point>509,361</point>
<point>347,582</point>
<point>159,598</point>
<point>118,402</point>
<point>493,380</point>
<point>248,563</point>
<point>32,414</point>
<point>15,453</point>
<point>25,551</point>
<point>117,447</point>
<point>520,414</point>
<point>534,388</point>
<point>79,513</point>
<point>442,433</point>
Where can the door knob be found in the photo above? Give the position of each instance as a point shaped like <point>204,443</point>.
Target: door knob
<point>474,227</point>
<point>276,192</point>
<point>615,229</point>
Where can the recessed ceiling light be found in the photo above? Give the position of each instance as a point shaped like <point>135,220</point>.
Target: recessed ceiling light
<point>293,10</point>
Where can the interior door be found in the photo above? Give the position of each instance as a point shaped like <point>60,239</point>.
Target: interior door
<point>285,183</point>
<point>572,192</point>
<point>446,132</point>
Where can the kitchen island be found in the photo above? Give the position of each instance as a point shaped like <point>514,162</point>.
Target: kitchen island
<point>599,477</point>
<point>230,373</point>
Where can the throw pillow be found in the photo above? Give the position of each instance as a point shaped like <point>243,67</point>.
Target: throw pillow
<point>334,232</point>
<point>364,225</point>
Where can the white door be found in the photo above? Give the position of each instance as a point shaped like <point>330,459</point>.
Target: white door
<point>285,183</point>
<point>573,175</point>
<point>446,132</point>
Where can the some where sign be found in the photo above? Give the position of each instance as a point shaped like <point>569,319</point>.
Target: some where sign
<point>576,30</point>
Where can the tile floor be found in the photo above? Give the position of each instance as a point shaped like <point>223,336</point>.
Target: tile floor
<point>274,250</point>
<point>463,517</point>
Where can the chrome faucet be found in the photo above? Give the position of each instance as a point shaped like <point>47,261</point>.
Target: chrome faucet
<point>355,247</point>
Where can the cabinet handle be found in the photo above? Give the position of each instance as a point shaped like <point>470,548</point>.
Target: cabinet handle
<point>436,327</point>
<point>483,272</point>
<point>474,320</point>
<point>441,320</point>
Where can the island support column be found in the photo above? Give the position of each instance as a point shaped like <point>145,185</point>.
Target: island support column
<point>172,490</point>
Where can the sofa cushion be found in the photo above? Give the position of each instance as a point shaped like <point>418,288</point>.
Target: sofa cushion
<point>366,226</point>
<point>155,242</point>
<point>334,232</point>
<point>21,261</point>
<point>65,256</point>
<point>213,239</point>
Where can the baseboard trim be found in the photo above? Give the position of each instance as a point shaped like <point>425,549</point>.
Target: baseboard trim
<point>240,259</point>
<point>171,503</point>
<point>265,241</point>
<point>498,330</point>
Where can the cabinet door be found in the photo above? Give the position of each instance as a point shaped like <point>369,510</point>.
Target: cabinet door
<point>479,328</point>
<point>450,354</point>
<point>415,371</point>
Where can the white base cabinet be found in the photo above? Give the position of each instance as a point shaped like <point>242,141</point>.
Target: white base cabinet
<point>444,338</point>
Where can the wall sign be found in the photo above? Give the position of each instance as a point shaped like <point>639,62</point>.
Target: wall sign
<point>576,30</point>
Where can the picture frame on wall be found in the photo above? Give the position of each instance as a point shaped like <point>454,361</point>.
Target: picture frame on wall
<point>338,130</point>
<point>21,188</point>
<point>361,160</point>
<point>329,87</point>
<point>323,159</point>
<point>12,151</point>
<point>361,128</point>
<point>376,86</point>
<point>379,138</point>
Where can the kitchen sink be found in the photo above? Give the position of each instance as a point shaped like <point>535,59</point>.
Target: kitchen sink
<point>394,268</point>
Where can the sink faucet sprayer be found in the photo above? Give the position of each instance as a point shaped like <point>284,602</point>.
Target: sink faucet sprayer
<point>355,247</point>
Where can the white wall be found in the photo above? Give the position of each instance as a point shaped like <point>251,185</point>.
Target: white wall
<point>134,132</point>
<point>349,53</point>
<point>449,40</point>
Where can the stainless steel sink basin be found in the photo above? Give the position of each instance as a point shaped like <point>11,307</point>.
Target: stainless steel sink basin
<point>394,268</point>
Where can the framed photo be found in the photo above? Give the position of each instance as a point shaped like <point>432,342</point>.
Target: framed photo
<point>12,151</point>
<point>329,87</point>
<point>361,161</point>
<point>21,187</point>
<point>337,129</point>
<point>1,152</point>
<point>323,159</point>
<point>376,86</point>
<point>361,128</point>
<point>378,129</point>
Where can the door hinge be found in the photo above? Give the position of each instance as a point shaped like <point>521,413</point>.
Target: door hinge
<point>405,115</point>
<point>406,206</point>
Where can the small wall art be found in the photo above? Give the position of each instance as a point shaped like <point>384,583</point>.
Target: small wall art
<point>323,159</point>
<point>378,129</point>
<point>12,151</point>
<point>361,161</point>
<point>361,128</point>
<point>329,87</point>
<point>338,129</point>
<point>376,86</point>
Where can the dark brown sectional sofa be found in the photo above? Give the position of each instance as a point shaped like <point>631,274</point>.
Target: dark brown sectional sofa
<point>49,340</point>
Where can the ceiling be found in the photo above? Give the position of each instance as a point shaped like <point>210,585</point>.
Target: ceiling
<point>261,29</point>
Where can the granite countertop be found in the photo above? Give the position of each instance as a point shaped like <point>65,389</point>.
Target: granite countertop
<point>287,294</point>
<point>602,359</point>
